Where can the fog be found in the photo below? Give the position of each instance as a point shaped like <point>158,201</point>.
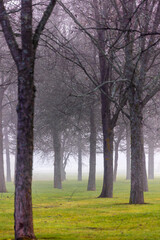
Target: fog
<point>44,170</point>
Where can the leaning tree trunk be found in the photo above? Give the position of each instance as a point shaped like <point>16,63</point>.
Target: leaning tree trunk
<point>137,150</point>
<point>7,155</point>
<point>2,179</point>
<point>128,153</point>
<point>92,160</point>
<point>151,159</point>
<point>57,158</point>
<point>79,156</point>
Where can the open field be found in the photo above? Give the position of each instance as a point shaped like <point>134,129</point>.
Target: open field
<point>75,214</point>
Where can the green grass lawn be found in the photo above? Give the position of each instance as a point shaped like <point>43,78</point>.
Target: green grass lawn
<point>75,214</point>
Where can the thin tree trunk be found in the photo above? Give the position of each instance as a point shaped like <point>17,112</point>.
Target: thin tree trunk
<point>145,181</point>
<point>79,157</point>
<point>92,160</point>
<point>7,155</point>
<point>57,158</point>
<point>151,159</point>
<point>121,129</point>
<point>128,153</point>
<point>2,179</point>
<point>107,189</point>
<point>63,172</point>
<point>115,161</point>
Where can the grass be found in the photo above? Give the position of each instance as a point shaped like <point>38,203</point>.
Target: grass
<point>75,214</point>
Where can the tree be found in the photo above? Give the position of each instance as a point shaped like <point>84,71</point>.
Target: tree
<point>24,58</point>
<point>2,179</point>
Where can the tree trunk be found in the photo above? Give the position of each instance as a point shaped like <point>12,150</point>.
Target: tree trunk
<point>7,155</point>
<point>2,179</point>
<point>105,74</point>
<point>57,158</point>
<point>79,157</point>
<point>121,129</point>
<point>115,161</point>
<point>107,189</point>
<point>23,181</point>
<point>128,153</point>
<point>150,159</point>
<point>137,150</point>
<point>24,58</point>
<point>92,160</point>
<point>145,181</point>
<point>63,172</point>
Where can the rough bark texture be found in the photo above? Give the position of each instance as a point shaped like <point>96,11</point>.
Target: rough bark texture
<point>79,157</point>
<point>23,198</point>
<point>128,153</point>
<point>7,155</point>
<point>92,160</point>
<point>57,159</point>
<point>151,159</point>
<point>2,179</point>
<point>25,112</point>
<point>136,194</point>
<point>24,59</point>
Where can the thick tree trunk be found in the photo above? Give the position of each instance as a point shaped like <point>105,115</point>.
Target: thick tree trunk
<point>128,153</point>
<point>2,179</point>
<point>92,160</point>
<point>79,157</point>
<point>23,181</point>
<point>137,149</point>
<point>57,158</point>
<point>7,155</point>
<point>151,159</point>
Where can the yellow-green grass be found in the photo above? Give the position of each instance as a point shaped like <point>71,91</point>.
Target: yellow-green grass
<point>74,213</point>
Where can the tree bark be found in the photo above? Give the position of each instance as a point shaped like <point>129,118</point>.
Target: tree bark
<point>151,159</point>
<point>23,197</point>
<point>92,160</point>
<point>107,189</point>
<point>137,151</point>
<point>7,155</point>
<point>2,179</point>
<point>24,59</point>
<point>57,158</point>
<point>79,156</point>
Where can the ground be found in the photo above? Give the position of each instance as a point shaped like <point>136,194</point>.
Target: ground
<point>75,214</point>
